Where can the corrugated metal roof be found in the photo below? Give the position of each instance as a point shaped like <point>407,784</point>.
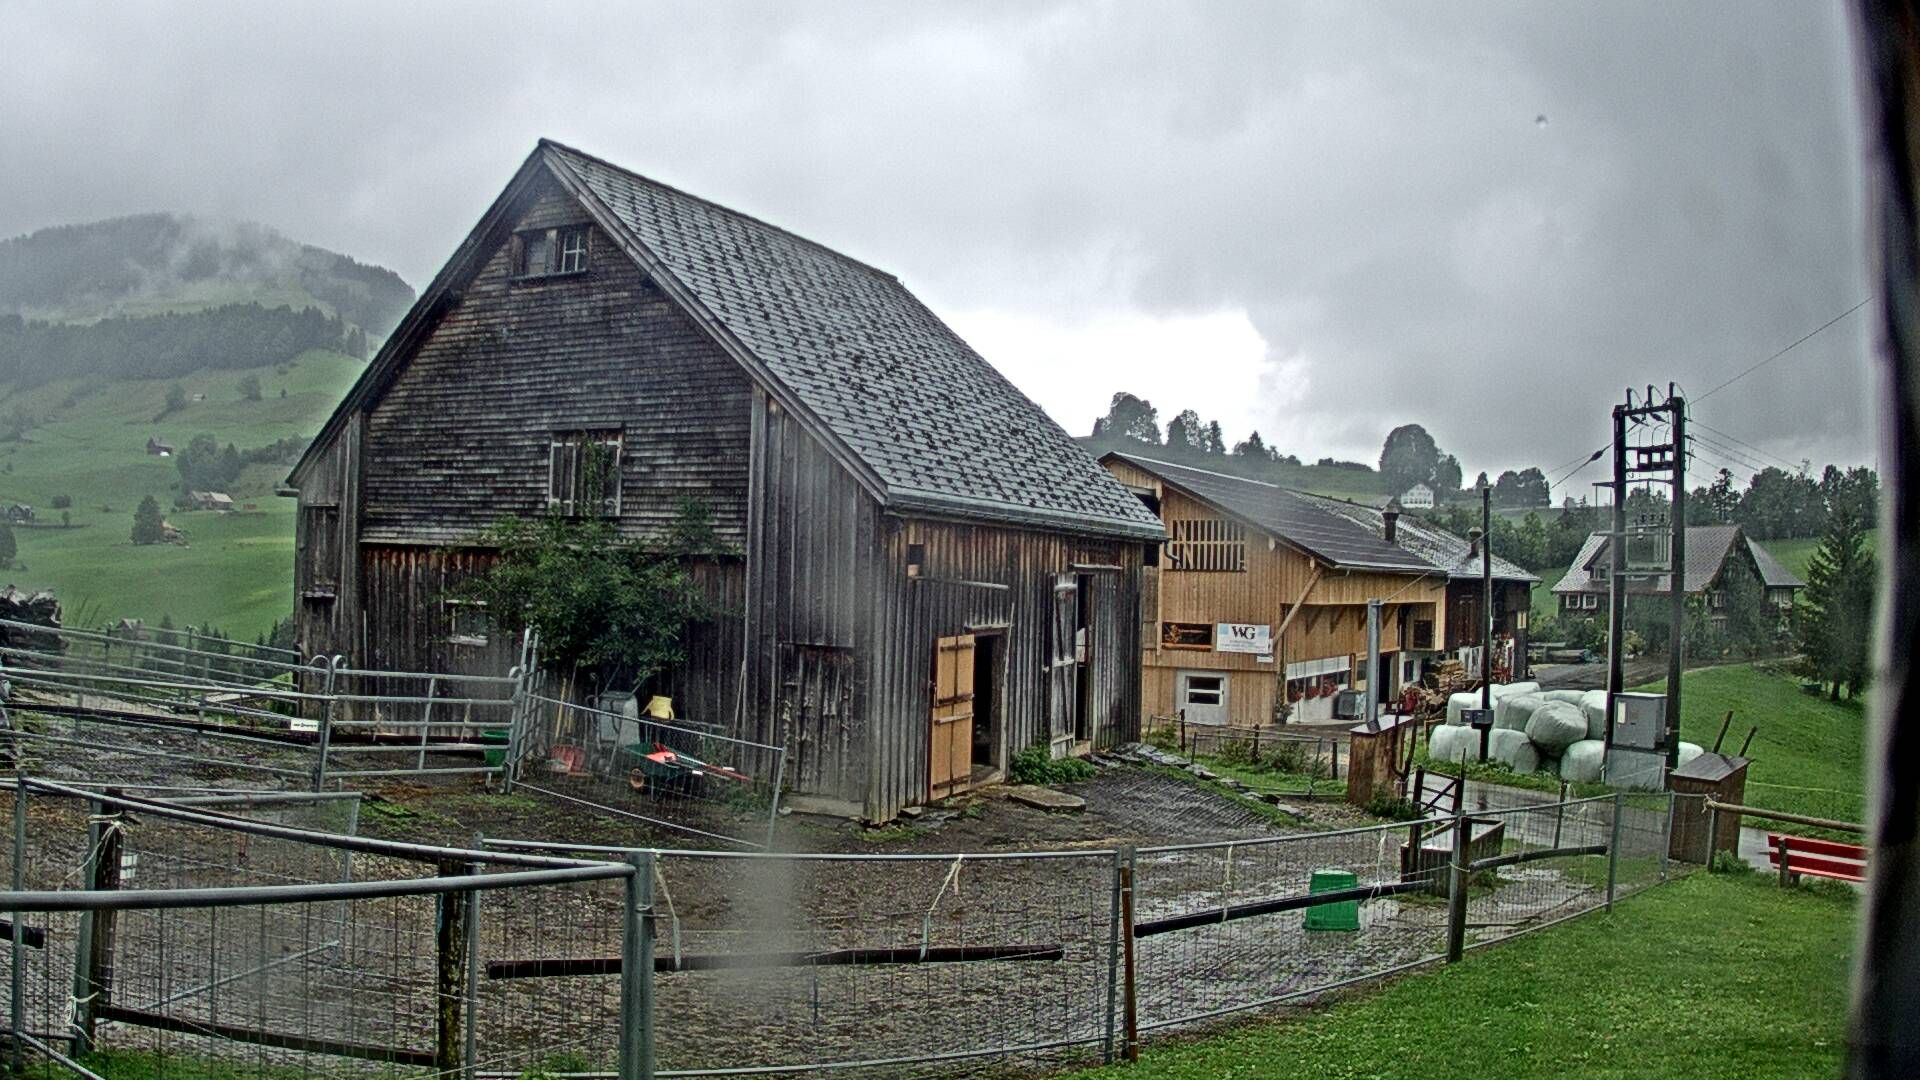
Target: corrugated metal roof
<point>940,429</point>
<point>1287,515</point>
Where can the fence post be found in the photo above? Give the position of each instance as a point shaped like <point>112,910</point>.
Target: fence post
<point>1560,813</point>
<point>779,777</point>
<point>1786,875</point>
<point>1113,959</point>
<point>1130,996</point>
<point>1457,886</point>
<point>470,999</point>
<point>454,913</point>
<point>1713,831</point>
<point>98,987</point>
<point>326,726</point>
<point>1613,852</point>
<point>636,972</point>
<point>20,927</point>
<point>83,1024</point>
<point>1666,835</point>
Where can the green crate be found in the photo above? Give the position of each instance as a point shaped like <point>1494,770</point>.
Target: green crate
<point>1340,915</point>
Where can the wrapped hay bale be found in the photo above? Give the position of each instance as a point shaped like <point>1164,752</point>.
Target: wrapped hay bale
<point>1556,725</point>
<point>1571,697</point>
<point>1583,761</point>
<point>1513,749</point>
<point>1514,689</point>
<point>1594,704</point>
<point>1457,702</point>
<point>1511,713</point>
<point>1689,751</point>
<point>1449,743</point>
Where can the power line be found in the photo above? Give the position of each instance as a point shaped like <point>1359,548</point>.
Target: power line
<point>1743,442</point>
<point>1740,459</point>
<point>1802,341</point>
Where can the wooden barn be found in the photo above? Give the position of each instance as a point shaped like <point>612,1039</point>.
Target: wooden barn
<point>930,574</point>
<point>1259,599</point>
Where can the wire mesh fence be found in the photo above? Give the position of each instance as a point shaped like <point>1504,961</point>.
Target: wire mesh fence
<point>257,930</point>
<point>691,779</point>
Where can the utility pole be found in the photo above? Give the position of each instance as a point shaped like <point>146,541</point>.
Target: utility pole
<point>1677,581</point>
<point>1486,597</point>
<point>1668,462</point>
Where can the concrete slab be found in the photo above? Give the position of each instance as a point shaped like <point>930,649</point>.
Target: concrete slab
<point>1045,798</point>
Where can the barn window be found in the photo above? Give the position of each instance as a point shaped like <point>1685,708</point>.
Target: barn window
<point>1207,544</point>
<point>1423,634</point>
<point>583,473</point>
<point>548,252</point>
<point>466,622</point>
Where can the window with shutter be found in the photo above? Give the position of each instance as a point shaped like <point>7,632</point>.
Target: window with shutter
<point>583,473</point>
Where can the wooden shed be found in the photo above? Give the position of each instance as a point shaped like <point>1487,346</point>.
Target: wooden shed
<point>930,574</point>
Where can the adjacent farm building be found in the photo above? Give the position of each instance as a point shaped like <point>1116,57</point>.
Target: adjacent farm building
<point>928,574</point>
<point>1259,598</point>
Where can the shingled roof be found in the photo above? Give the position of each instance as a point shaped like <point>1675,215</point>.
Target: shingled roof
<point>1287,515</point>
<point>1449,552</point>
<point>935,425</point>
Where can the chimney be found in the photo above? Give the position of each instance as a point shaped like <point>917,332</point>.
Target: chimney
<point>1390,520</point>
<point>1473,542</point>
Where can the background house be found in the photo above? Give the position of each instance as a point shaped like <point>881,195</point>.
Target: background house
<point>930,574</point>
<point>1417,497</point>
<point>1713,553</point>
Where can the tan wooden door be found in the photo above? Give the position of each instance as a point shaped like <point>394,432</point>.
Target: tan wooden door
<point>950,747</point>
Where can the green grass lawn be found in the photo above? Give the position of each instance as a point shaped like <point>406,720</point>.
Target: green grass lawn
<point>1808,755</point>
<point>1710,977</point>
<point>237,570</point>
<point>1795,554</point>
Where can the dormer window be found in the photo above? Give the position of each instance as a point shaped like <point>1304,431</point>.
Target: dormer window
<point>542,253</point>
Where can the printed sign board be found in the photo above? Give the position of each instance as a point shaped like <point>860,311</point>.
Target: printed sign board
<point>1254,638</point>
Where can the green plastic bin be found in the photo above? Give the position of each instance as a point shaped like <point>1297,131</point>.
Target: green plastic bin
<point>1340,915</point>
<point>499,737</point>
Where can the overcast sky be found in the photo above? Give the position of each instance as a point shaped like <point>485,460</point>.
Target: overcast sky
<point>1317,220</point>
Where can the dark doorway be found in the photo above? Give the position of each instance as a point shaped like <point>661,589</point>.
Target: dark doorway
<point>986,703</point>
<point>1083,658</point>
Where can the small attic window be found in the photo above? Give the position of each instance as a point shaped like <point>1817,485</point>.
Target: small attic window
<point>540,253</point>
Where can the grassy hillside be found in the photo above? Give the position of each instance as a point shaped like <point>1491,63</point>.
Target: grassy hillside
<point>237,570</point>
<point>1808,755</point>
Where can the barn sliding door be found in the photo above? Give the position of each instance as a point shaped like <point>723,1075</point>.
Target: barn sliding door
<point>1063,664</point>
<point>950,746</point>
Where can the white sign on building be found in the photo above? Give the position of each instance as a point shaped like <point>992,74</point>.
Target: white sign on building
<point>1243,638</point>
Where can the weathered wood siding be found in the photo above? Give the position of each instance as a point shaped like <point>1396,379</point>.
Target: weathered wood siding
<point>326,566</point>
<point>977,577</point>
<point>810,552</point>
<point>461,438</point>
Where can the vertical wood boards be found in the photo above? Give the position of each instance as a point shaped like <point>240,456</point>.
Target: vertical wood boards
<point>950,742</point>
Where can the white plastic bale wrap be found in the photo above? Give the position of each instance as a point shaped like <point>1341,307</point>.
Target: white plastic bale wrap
<point>1556,725</point>
<point>1594,704</point>
<point>1514,689</point>
<point>1513,749</point>
<point>1583,762</point>
<point>1450,743</point>
<point>1571,697</point>
<point>1458,702</point>
<point>1511,713</point>
<point>1689,751</point>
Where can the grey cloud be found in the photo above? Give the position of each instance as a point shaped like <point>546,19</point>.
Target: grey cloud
<point>1368,182</point>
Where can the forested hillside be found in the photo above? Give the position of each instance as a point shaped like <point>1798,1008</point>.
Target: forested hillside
<point>169,345</point>
<point>174,262</point>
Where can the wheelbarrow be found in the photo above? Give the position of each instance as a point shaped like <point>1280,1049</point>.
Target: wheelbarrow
<point>659,766</point>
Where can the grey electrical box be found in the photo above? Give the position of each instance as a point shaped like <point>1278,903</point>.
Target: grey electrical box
<point>1640,721</point>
